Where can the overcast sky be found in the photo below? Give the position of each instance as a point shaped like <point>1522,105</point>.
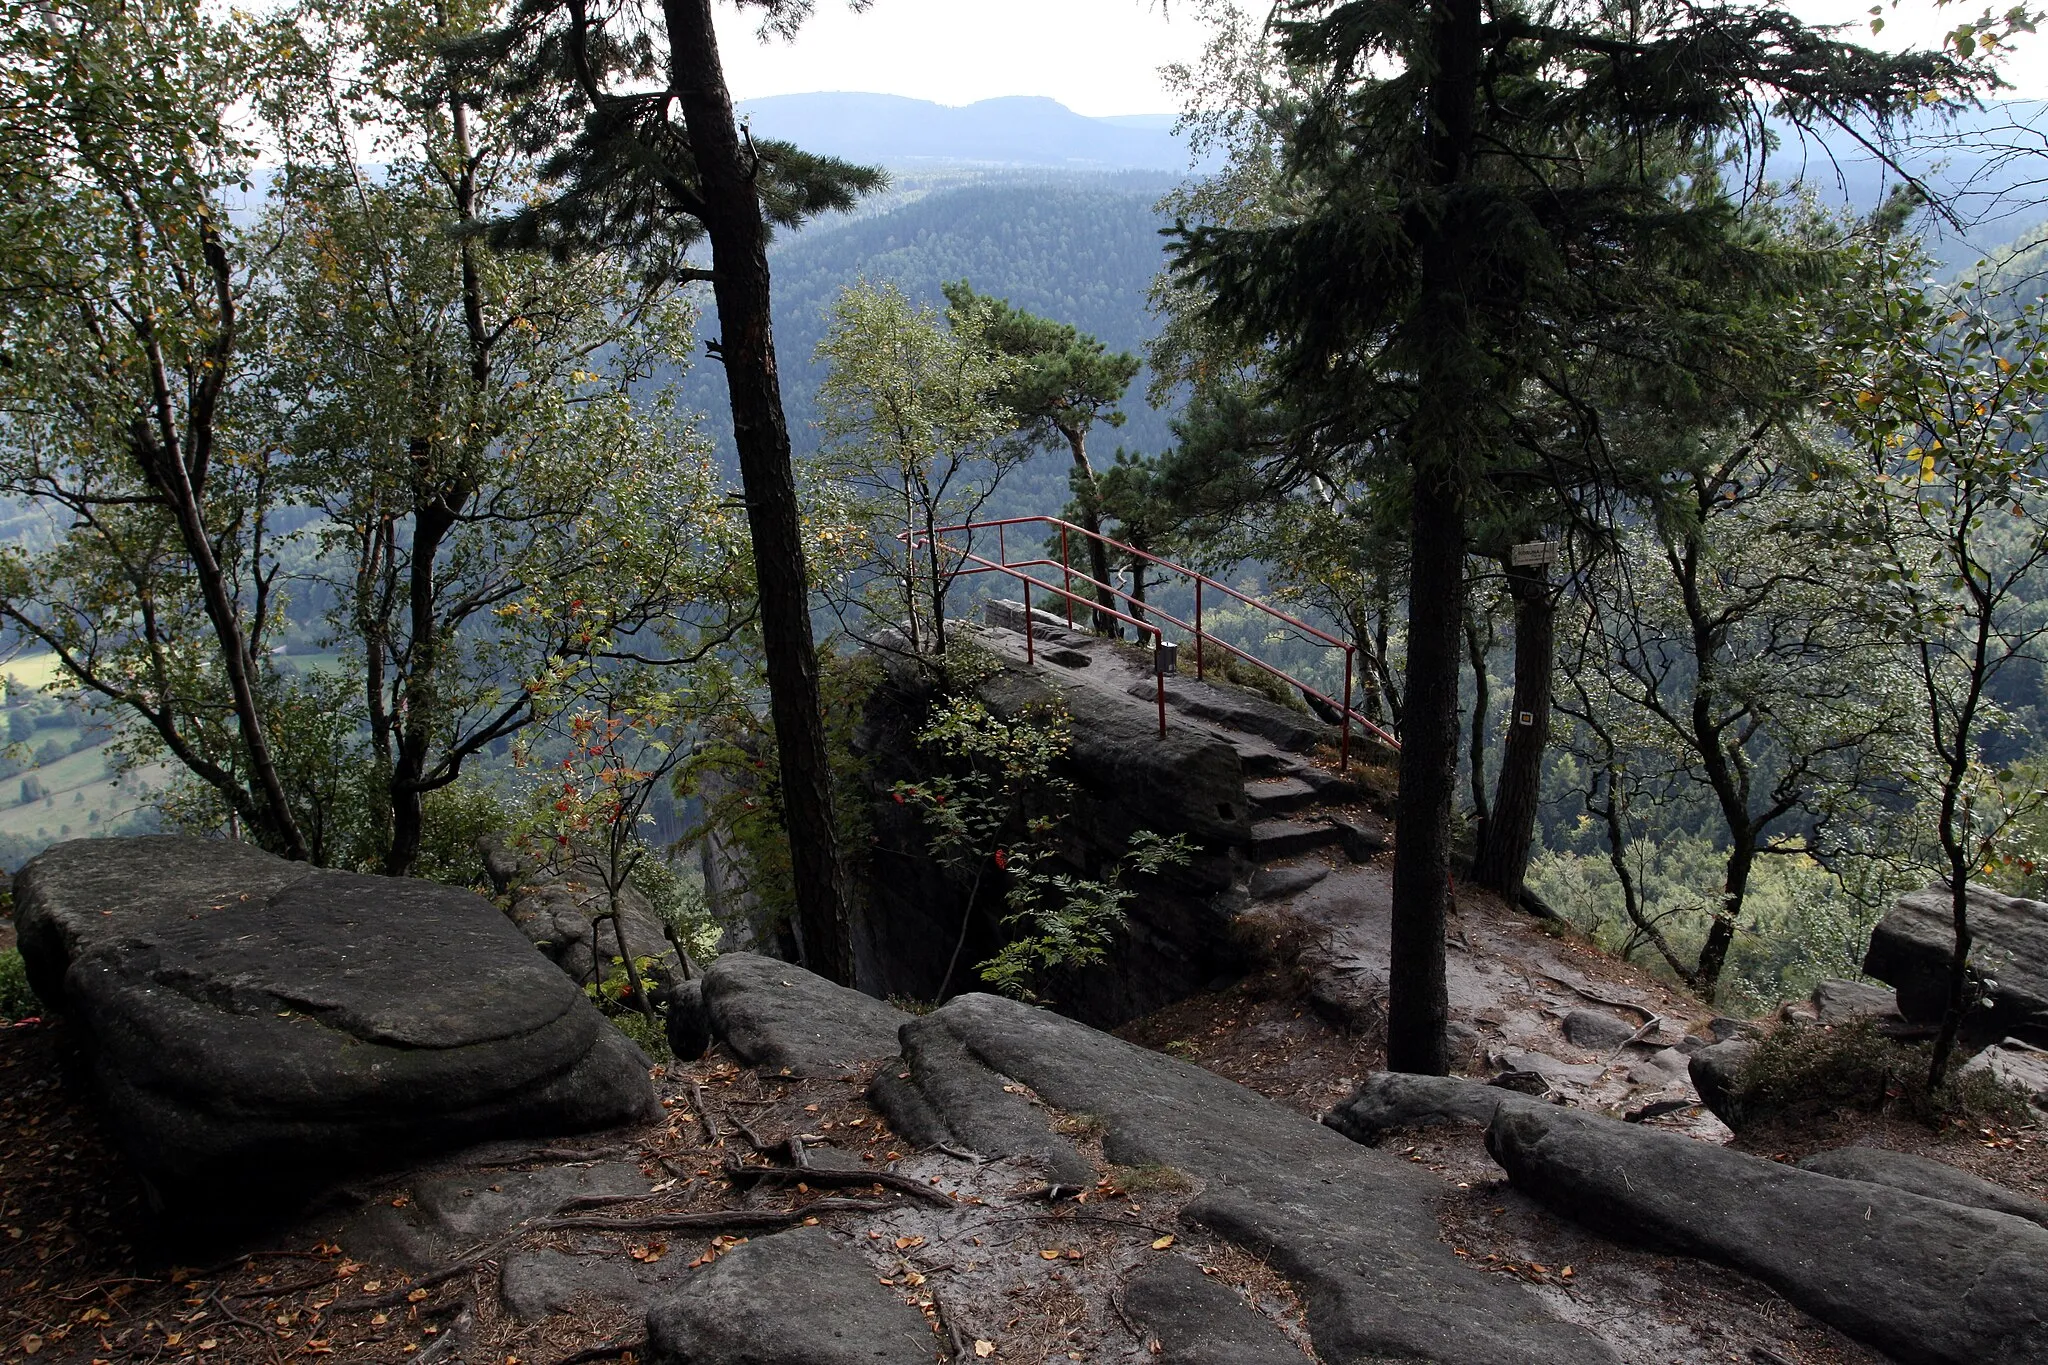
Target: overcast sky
<point>1094,56</point>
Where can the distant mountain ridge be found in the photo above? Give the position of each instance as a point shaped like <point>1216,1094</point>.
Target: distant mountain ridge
<point>1020,130</point>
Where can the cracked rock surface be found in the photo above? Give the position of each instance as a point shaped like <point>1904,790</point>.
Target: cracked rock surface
<point>256,1025</point>
<point>1355,1230</point>
<point>1925,1281</point>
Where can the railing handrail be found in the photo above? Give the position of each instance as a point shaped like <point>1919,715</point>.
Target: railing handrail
<point>1150,558</point>
<point>1005,566</point>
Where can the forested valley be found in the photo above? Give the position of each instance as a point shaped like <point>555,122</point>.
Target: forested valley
<point>1541,527</point>
<point>417,386</point>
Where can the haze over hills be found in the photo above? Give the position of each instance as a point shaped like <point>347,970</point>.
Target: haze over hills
<point>1022,130</point>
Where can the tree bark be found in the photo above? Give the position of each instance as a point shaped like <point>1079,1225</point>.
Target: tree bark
<point>1091,521</point>
<point>1721,933</point>
<point>732,218</point>
<point>1476,648</point>
<point>1418,1001</point>
<point>1958,974</point>
<point>1511,823</point>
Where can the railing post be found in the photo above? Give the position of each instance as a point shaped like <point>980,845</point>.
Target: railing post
<point>1344,749</point>
<point>1067,574</point>
<point>1159,678</point>
<point>1030,632</point>
<point>1198,629</point>
<point>1002,547</point>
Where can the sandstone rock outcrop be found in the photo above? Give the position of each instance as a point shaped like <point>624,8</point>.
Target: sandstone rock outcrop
<point>796,1298</point>
<point>1911,946</point>
<point>1926,1281</point>
<point>256,1025</point>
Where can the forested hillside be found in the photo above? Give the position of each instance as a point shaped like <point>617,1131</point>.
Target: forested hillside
<point>1080,247</point>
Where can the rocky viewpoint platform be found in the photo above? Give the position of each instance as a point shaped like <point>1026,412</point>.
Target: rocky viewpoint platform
<point>1225,1181</point>
<point>837,1181</point>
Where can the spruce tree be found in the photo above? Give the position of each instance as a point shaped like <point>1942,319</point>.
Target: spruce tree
<point>1469,194</point>
<point>633,112</point>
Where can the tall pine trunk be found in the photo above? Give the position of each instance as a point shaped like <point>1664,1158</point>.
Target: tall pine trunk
<point>1418,1001</point>
<point>1476,649</point>
<point>739,263</point>
<point>1511,823</point>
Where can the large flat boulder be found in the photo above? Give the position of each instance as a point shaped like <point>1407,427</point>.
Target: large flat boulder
<point>1912,944</point>
<point>777,1016</point>
<point>1923,1280</point>
<point>797,1298</point>
<point>1356,1230</point>
<point>255,1025</point>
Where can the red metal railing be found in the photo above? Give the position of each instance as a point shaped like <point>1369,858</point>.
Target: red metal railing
<point>1201,638</point>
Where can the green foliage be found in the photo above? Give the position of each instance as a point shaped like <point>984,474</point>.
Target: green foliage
<point>911,414</point>
<point>1801,923</point>
<point>456,817</point>
<point>676,895</point>
<point>1061,923</point>
<point>1062,382</point>
<point>732,769</point>
<point>1802,1071</point>
<point>1940,396</point>
<point>648,1033</point>
<point>1080,247</point>
<point>992,809</point>
<point>17,1001</point>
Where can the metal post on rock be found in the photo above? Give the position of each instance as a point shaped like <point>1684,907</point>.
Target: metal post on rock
<point>1344,750</point>
<point>1067,572</point>
<point>1160,662</point>
<point>1030,632</point>
<point>1198,630</point>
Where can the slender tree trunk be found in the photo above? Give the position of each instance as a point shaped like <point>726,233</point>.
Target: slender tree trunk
<point>1482,705</point>
<point>1091,521</point>
<point>739,260</point>
<point>1958,971</point>
<point>1706,977</point>
<point>1418,1003</point>
<point>639,987</point>
<point>1511,824</point>
<point>432,520</point>
<point>280,831</point>
<point>1954,824</point>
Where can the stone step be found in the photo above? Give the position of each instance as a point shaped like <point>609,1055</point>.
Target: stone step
<point>1259,762</point>
<point>1279,795</point>
<point>1274,839</point>
<point>1278,883</point>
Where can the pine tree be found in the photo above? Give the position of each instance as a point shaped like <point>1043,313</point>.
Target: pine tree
<point>634,111</point>
<point>1464,199</point>
<point>1067,382</point>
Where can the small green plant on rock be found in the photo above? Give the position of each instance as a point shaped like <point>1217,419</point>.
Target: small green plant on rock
<point>993,810</point>
<point>17,1001</point>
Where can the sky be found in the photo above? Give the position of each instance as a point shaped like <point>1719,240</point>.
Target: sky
<point>1101,57</point>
